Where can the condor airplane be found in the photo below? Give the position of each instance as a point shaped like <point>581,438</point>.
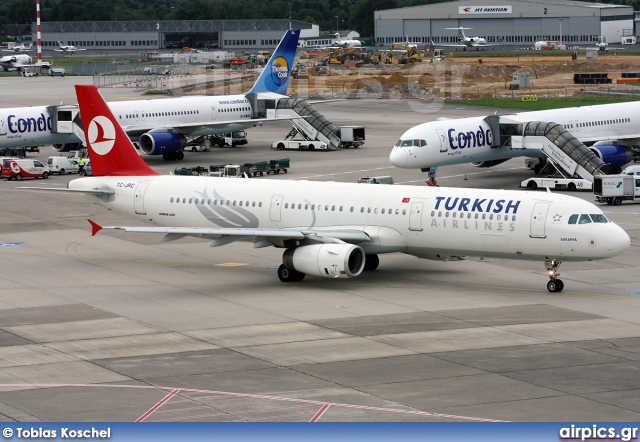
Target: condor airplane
<point>333,230</point>
<point>160,127</point>
<point>612,127</point>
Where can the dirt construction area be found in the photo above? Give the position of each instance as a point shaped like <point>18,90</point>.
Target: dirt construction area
<point>467,77</point>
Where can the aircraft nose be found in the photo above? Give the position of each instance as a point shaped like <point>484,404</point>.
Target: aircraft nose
<point>618,241</point>
<point>399,157</point>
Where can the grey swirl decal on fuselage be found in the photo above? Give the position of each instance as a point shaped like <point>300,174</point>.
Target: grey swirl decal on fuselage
<point>225,213</point>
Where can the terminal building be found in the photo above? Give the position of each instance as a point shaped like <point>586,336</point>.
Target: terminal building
<point>171,34</point>
<point>518,23</point>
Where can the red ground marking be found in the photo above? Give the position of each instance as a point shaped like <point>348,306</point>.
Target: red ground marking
<point>320,413</point>
<point>158,405</point>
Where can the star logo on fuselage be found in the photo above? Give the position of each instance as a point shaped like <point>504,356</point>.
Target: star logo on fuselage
<point>101,135</point>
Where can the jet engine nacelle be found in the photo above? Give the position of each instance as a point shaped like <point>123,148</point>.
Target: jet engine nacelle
<point>161,143</point>
<point>489,163</point>
<point>326,260</point>
<point>613,155</point>
<point>66,147</point>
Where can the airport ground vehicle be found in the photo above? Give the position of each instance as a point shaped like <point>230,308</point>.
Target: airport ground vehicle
<point>62,165</point>
<point>556,181</point>
<point>23,168</point>
<point>377,180</point>
<point>614,189</point>
<point>237,170</point>
<point>29,72</point>
<point>300,145</point>
<point>56,72</point>
<point>351,136</point>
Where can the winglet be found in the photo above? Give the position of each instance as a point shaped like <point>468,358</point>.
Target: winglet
<point>95,227</point>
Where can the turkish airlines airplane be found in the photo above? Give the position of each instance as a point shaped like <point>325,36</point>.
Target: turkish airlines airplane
<point>330,229</point>
<point>612,127</point>
<point>160,127</point>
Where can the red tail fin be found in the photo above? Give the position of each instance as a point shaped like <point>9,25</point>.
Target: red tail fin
<point>110,149</point>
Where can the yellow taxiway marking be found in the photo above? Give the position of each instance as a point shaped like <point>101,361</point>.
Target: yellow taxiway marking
<point>232,264</point>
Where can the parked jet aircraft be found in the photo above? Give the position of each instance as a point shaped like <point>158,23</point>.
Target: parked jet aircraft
<point>68,49</point>
<point>347,43</point>
<point>467,42</point>
<point>160,127</point>
<point>17,61</point>
<point>612,127</point>
<point>17,48</point>
<point>333,229</point>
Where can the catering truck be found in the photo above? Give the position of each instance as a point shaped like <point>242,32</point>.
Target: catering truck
<point>613,189</point>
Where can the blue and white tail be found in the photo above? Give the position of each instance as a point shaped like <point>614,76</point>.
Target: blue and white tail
<point>276,74</point>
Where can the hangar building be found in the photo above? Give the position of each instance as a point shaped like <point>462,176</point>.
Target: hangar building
<point>519,23</point>
<point>169,34</point>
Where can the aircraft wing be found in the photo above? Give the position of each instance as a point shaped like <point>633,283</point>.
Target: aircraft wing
<point>188,128</point>
<point>233,234</point>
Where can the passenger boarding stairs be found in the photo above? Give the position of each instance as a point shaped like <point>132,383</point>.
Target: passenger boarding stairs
<point>312,126</point>
<point>568,155</point>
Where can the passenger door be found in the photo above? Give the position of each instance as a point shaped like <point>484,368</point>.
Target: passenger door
<point>274,211</point>
<point>415,216</point>
<point>138,202</point>
<point>538,219</point>
<point>443,140</point>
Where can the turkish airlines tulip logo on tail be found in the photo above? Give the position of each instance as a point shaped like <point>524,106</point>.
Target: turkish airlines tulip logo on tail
<point>102,135</point>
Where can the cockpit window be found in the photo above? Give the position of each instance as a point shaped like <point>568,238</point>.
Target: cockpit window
<point>573,219</point>
<point>599,218</point>
<point>406,143</point>
<point>584,219</point>
<point>399,143</point>
<point>419,143</point>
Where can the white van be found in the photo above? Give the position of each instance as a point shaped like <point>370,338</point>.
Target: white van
<point>21,168</point>
<point>62,165</point>
<point>631,170</point>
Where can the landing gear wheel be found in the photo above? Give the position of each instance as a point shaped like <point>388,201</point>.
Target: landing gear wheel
<point>371,262</point>
<point>555,285</point>
<point>289,275</point>
<point>179,155</point>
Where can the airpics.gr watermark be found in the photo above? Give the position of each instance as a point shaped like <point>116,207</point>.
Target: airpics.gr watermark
<point>63,433</point>
<point>596,432</point>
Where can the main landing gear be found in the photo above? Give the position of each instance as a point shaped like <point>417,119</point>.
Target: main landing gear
<point>289,275</point>
<point>554,284</point>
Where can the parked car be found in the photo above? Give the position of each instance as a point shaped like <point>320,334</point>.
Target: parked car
<point>87,170</point>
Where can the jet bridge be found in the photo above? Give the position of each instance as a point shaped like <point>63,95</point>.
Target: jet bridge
<point>565,152</point>
<point>306,120</point>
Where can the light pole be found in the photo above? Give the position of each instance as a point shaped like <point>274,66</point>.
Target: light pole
<point>337,29</point>
<point>560,20</point>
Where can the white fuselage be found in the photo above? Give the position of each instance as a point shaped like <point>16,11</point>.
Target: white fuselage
<point>31,126</point>
<point>465,140</point>
<point>428,222</point>
<point>14,61</point>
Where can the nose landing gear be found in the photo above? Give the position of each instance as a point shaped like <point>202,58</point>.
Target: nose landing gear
<point>554,285</point>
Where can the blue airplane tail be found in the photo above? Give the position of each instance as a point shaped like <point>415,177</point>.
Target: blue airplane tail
<point>276,74</point>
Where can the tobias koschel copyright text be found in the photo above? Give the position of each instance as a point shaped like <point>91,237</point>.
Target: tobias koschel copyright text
<point>63,433</point>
